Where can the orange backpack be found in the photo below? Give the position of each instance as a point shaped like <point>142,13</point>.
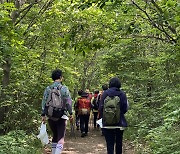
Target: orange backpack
<point>84,106</point>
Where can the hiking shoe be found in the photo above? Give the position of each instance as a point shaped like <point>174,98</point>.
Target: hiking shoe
<point>86,134</point>
<point>83,135</point>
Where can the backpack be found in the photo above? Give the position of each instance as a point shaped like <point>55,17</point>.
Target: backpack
<point>54,107</point>
<point>111,111</point>
<point>84,106</point>
<point>95,103</point>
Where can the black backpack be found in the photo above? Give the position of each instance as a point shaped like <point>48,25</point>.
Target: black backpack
<point>95,103</point>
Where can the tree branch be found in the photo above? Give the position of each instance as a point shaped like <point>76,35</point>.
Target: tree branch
<point>150,37</point>
<point>155,24</point>
<point>173,30</point>
<point>42,10</point>
<point>28,9</point>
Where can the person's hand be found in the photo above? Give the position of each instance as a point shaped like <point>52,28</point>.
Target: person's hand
<point>43,119</point>
<point>71,118</point>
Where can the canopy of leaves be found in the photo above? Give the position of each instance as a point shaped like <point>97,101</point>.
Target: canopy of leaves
<point>92,41</point>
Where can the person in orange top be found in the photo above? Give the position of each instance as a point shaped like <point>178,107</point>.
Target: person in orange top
<point>84,107</point>
<point>76,109</point>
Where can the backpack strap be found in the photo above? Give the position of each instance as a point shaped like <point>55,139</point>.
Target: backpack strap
<point>98,98</point>
<point>59,87</point>
<point>83,100</point>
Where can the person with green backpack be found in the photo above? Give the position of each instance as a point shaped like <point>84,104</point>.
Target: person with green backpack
<point>113,106</point>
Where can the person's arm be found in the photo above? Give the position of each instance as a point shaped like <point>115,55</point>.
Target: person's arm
<point>92,104</point>
<point>45,97</point>
<point>124,103</point>
<point>77,104</point>
<point>101,104</point>
<point>67,98</point>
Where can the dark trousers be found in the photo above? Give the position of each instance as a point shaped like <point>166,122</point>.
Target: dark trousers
<point>84,121</point>
<point>77,119</point>
<point>95,118</point>
<point>113,137</point>
<point>58,129</point>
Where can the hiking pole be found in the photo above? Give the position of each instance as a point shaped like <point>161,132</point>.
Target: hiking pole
<point>72,134</point>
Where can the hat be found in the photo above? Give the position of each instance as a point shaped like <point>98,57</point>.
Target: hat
<point>84,94</point>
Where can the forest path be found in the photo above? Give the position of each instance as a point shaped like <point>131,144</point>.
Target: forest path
<point>94,143</point>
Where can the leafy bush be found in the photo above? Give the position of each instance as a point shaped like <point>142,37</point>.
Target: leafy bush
<point>22,107</point>
<point>166,138</point>
<point>18,142</point>
<point>156,130</point>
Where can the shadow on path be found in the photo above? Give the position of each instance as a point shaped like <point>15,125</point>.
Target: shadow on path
<point>94,143</point>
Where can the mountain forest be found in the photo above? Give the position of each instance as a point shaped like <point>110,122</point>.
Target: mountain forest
<point>91,41</point>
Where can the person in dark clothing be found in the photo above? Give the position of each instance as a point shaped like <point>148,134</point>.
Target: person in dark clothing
<point>114,134</point>
<point>84,107</point>
<point>104,88</point>
<point>95,106</point>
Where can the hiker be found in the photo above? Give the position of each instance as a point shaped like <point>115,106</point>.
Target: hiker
<point>84,107</point>
<point>113,119</point>
<point>95,106</point>
<point>104,88</point>
<point>89,94</point>
<point>57,124</point>
<point>76,109</point>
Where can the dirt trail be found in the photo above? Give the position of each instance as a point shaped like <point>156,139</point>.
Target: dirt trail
<point>94,143</point>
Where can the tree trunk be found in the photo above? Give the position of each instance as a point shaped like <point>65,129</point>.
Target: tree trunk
<point>5,81</point>
<point>6,72</point>
<point>7,68</point>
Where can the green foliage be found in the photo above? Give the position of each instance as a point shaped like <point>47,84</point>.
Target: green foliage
<point>92,41</point>
<point>166,136</point>
<point>149,76</point>
<point>160,130</point>
<point>18,142</point>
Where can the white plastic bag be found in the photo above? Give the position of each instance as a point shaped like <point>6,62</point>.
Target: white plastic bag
<point>43,136</point>
<point>99,122</point>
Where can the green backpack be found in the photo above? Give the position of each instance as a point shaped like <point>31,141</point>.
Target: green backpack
<point>111,111</point>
